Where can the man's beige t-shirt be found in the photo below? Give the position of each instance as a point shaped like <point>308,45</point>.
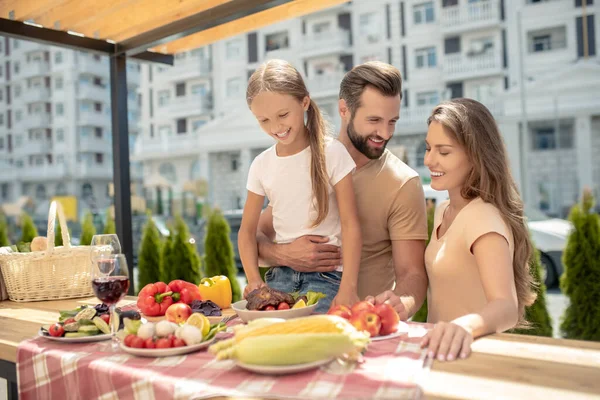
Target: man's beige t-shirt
<point>391,206</point>
<point>455,287</point>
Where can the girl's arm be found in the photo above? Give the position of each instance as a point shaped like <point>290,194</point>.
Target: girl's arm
<point>351,242</point>
<point>453,339</point>
<point>247,240</point>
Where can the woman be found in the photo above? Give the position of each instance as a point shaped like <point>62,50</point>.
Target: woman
<point>478,258</point>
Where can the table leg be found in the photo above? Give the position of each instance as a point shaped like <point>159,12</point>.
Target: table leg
<point>8,371</point>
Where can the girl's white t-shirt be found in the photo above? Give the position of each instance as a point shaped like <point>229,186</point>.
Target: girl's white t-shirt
<point>287,183</point>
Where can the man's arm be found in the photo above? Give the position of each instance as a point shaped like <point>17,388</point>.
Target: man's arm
<point>411,276</point>
<point>305,254</point>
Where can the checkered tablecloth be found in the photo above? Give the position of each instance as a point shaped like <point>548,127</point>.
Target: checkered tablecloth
<point>391,369</point>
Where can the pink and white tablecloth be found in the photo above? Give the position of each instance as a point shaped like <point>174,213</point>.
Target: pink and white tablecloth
<point>392,369</point>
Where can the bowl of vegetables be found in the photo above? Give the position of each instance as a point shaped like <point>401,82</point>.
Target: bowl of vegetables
<point>272,303</point>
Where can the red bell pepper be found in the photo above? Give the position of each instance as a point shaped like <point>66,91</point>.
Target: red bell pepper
<point>154,299</point>
<point>184,292</point>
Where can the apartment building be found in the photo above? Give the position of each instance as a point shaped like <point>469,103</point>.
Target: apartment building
<point>196,128</point>
<point>55,124</point>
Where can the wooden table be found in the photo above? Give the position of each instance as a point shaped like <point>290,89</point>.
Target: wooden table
<point>502,366</point>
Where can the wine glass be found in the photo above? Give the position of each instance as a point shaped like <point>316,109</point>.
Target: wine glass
<point>110,282</point>
<point>104,245</point>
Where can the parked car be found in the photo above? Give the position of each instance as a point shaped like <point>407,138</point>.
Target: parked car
<point>549,235</point>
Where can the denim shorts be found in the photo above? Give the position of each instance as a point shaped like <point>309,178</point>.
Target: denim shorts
<point>289,281</point>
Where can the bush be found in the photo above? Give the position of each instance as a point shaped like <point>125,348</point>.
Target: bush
<point>186,264</point>
<point>88,230</point>
<point>58,240</point>
<point>537,314</point>
<point>28,228</point>
<point>167,273</point>
<point>3,231</point>
<point>110,227</point>
<point>149,255</point>
<point>581,278</point>
<point>219,257</point>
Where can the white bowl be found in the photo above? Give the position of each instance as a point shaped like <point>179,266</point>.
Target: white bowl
<point>249,315</point>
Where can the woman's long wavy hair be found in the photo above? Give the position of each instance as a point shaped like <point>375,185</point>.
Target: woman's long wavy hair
<point>472,126</point>
<point>281,77</point>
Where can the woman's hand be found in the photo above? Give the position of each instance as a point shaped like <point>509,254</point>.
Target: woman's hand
<point>252,286</point>
<point>448,341</point>
<point>345,297</point>
<point>393,300</point>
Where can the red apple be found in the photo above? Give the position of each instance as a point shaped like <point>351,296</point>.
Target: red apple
<point>340,310</point>
<point>362,306</point>
<point>367,321</point>
<point>178,313</point>
<point>389,318</point>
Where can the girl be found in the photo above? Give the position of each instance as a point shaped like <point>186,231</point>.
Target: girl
<point>307,178</point>
<point>478,256</point>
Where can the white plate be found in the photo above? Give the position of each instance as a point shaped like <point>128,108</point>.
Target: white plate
<point>402,329</point>
<point>249,315</point>
<point>281,369</point>
<point>83,339</point>
<point>174,351</point>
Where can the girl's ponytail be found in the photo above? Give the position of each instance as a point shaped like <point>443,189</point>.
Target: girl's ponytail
<point>317,129</point>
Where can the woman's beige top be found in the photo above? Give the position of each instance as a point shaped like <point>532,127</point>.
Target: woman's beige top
<point>455,287</point>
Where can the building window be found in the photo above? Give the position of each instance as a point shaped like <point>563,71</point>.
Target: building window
<point>40,192</point>
<point>98,132</point>
<point>545,138</point>
<point>199,90</point>
<point>197,124</point>
<point>427,99</point>
<point>1,143</point>
<point>1,118</point>
<point>99,158</point>
<point>0,70</point>
<point>18,115</point>
<point>423,13</point>
<point>180,90</point>
<point>163,98</point>
<point>233,49</point>
<point>421,154</point>
<point>60,135</point>
<point>541,43</point>
<point>98,107</point>
<point>277,41</point>
<point>17,67</point>
<point>425,58</point>
<point>321,27</point>
<point>368,27</point>
<point>58,83</point>
<point>58,57</point>
<point>18,91</point>
<point>98,82</point>
<point>181,125</point>
<point>60,109</point>
<point>235,162</point>
<point>87,190</point>
<point>164,131</point>
<point>233,87</point>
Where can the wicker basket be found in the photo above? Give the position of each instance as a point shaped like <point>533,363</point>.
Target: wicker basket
<point>62,272</point>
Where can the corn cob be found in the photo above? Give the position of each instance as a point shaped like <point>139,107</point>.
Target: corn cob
<point>293,349</point>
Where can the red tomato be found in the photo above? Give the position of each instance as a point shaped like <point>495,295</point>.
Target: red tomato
<point>149,343</point>
<point>105,317</point>
<point>137,343</point>
<point>269,308</point>
<point>56,330</point>
<point>178,343</point>
<point>163,343</point>
<point>128,339</point>
<point>283,306</point>
<point>171,339</point>
<point>69,321</point>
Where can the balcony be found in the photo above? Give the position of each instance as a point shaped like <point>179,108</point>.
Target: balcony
<point>34,147</point>
<point>94,93</point>
<point>469,16</point>
<point>95,171</point>
<point>92,144</point>
<point>36,95</point>
<point>180,107</point>
<point>43,172</point>
<point>35,121</point>
<point>8,172</point>
<point>461,66</point>
<point>91,118</point>
<point>33,69</point>
<point>324,85</point>
<point>189,68</point>
<point>415,116</point>
<point>322,43</point>
<point>93,66</point>
<point>167,147</point>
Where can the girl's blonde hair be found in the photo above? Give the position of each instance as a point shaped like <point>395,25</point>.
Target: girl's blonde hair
<point>279,76</point>
<point>472,125</point>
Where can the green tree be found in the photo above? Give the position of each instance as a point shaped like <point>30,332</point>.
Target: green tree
<point>58,240</point>
<point>581,278</point>
<point>28,229</point>
<point>149,255</point>
<point>219,257</point>
<point>88,230</point>
<point>186,259</point>
<point>537,314</point>
<point>421,315</point>
<point>167,259</point>
<point>110,227</point>
<point>3,231</point>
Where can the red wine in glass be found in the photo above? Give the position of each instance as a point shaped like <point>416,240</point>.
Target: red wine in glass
<point>110,289</point>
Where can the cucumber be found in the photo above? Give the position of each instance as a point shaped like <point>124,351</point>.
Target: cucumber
<point>89,329</point>
<point>76,334</point>
<point>100,324</point>
<point>86,313</point>
<point>72,327</point>
<point>83,322</point>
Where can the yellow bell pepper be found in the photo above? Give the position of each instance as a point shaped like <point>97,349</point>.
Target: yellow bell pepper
<point>216,289</point>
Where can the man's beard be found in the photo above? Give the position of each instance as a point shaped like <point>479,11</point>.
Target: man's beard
<point>362,143</point>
